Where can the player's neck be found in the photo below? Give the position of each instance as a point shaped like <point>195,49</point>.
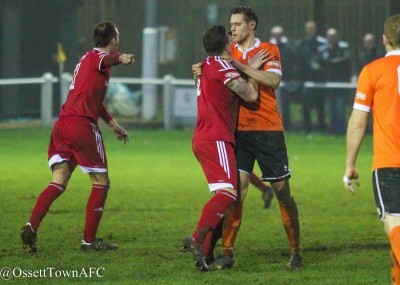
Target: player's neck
<point>225,55</point>
<point>106,49</point>
<point>248,43</point>
<point>388,48</point>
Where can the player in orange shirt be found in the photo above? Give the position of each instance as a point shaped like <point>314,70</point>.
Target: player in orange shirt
<point>259,136</point>
<point>378,90</point>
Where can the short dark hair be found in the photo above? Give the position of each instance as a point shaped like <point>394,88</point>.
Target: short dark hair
<point>103,34</point>
<point>392,30</point>
<point>248,12</point>
<point>215,40</point>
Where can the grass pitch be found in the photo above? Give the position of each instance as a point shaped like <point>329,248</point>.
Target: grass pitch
<point>157,193</point>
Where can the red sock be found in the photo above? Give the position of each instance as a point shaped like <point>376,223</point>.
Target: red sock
<point>211,240</point>
<point>43,203</point>
<point>94,211</point>
<point>212,214</point>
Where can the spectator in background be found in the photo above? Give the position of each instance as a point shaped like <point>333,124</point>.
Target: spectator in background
<point>337,68</point>
<point>369,52</point>
<point>287,92</point>
<point>308,68</point>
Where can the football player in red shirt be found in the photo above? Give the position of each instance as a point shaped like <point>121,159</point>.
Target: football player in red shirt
<point>218,92</point>
<point>76,138</point>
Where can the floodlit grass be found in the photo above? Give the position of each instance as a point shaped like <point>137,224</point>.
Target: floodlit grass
<point>157,193</point>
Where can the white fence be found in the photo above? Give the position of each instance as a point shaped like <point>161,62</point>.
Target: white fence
<point>170,85</point>
<point>46,93</point>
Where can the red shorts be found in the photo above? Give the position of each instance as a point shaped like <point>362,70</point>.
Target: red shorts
<point>217,158</point>
<point>79,141</point>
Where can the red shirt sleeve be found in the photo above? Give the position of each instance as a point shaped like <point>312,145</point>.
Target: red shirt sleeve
<point>110,60</point>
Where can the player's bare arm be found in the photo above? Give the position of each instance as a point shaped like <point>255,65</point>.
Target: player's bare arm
<point>355,135</point>
<point>248,91</point>
<point>265,78</point>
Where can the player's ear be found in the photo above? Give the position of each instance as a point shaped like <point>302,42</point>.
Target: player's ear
<point>384,40</point>
<point>252,25</point>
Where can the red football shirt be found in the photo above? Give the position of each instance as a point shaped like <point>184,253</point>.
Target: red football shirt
<point>88,87</point>
<point>217,105</point>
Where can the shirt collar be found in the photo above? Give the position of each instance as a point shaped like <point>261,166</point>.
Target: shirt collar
<point>393,52</point>
<point>257,43</point>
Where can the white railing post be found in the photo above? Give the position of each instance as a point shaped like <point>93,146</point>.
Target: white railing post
<point>168,99</point>
<point>46,100</point>
<point>149,70</point>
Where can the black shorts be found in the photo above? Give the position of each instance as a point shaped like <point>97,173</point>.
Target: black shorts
<point>268,148</point>
<point>386,182</point>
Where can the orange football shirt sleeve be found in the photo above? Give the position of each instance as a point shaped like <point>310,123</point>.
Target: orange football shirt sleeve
<point>274,62</point>
<point>365,91</point>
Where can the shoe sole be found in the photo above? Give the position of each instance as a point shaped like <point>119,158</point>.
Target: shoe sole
<point>199,261</point>
<point>27,246</point>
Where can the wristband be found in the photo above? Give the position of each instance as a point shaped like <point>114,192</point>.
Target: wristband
<point>346,180</point>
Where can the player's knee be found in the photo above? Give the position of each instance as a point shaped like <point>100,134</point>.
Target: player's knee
<point>61,174</point>
<point>390,222</point>
<point>281,187</point>
<point>100,179</point>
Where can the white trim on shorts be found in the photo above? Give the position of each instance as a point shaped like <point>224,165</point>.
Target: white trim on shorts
<point>217,186</point>
<point>99,141</point>
<point>267,178</point>
<point>276,178</point>
<point>57,159</point>
<point>223,157</point>
<point>378,190</point>
<point>240,170</point>
<point>92,169</point>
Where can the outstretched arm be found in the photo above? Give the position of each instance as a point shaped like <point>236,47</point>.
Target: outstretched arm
<point>117,58</point>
